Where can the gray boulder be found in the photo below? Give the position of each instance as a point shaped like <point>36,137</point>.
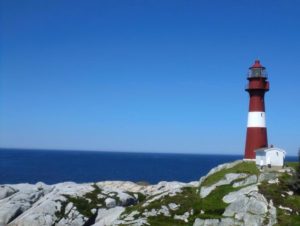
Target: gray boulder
<point>227,179</point>
<point>20,201</point>
<point>217,222</point>
<point>173,206</point>
<point>249,180</point>
<point>272,214</point>
<point>266,176</point>
<point>251,209</point>
<point>110,202</point>
<point>206,222</point>
<point>184,217</point>
<point>232,196</point>
<point>219,168</point>
<point>229,222</point>
<point>257,204</point>
<point>239,206</point>
<point>126,199</point>
<point>108,216</point>
<point>164,211</point>
<point>43,211</point>
<point>73,218</point>
<point>6,191</point>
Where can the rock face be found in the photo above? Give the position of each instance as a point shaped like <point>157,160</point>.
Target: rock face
<point>219,168</point>
<point>6,191</point>
<point>246,206</point>
<point>249,180</point>
<point>127,203</point>
<point>249,207</point>
<point>18,199</point>
<point>62,204</point>
<point>232,196</point>
<point>228,178</point>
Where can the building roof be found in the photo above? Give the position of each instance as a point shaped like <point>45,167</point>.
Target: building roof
<point>257,65</point>
<point>270,149</point>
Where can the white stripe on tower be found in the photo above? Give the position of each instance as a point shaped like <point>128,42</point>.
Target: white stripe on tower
<point>256,119</point>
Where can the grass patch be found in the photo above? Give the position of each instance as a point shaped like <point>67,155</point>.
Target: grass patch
<point>90,201</point>
<point>141,196</point>
<point>244,167</point>
<point>274,191</point>
<point>188,200</point>
<point>83,204</point>
<point>165,221</point>
<point>287,220</point>
<point>294,165</point>
<point>213,205</point>
<point>61,213</point>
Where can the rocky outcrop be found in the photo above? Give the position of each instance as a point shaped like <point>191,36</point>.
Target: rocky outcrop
<point>108,216</point>
<point>219,168</point>
<point>216,222</point>
<point>249,180</point>
<point>17,199</point>
<point>230,197</point>
<point>227,179</point>
<point>77,204</point>
<point>6,191</point>
<point>246,206</point>
<point>250,208</point>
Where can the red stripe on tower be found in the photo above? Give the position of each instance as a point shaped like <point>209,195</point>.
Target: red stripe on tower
<point>256,128</point>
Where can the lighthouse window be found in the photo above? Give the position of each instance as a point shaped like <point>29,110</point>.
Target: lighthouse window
<point>256,72</point>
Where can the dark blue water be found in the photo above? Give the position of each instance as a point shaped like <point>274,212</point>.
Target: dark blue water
<point>18,166</point>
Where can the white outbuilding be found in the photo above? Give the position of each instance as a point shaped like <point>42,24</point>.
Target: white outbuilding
<point>270,156</point>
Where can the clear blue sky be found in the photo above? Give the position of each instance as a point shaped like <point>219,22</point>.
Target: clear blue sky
<point>145,75</point>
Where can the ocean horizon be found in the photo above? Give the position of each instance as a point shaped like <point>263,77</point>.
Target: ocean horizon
<point>55,166</point>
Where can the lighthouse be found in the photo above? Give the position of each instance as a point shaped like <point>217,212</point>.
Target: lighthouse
<point>257,86</point>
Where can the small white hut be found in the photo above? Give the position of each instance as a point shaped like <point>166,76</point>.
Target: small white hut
<point>270,156</point>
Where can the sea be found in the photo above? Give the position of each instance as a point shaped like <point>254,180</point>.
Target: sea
<point>54,166</point>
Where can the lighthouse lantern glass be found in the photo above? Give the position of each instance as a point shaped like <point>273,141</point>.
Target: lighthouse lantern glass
<point>257,72</point>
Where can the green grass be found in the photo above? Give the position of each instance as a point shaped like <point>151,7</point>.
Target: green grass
<point>61,213</point>
<point>274,191</point>
<point>213,205</point>
<point>165,221</point>
<point>83,204</point>
<point>244,167</point>
<point>294,165</point>
<point>141,197</point>
<point>287,220</point>
<point>188,199</point>
<point>90,201</point>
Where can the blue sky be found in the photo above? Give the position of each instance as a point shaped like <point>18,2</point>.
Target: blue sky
<point>149,76</point>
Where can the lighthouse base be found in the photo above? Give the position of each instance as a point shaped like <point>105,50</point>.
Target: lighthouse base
<point>249,160</point>
<point>256,138</point>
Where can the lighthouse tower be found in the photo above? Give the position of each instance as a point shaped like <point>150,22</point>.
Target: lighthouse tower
<point>256,126</point>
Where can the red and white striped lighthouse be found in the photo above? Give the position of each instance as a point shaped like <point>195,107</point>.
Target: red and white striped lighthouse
<point>256,126</point>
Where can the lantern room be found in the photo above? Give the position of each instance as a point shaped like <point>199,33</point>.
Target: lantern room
<point>257,71</point>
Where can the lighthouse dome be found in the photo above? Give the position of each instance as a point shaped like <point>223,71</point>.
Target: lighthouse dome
<point>257,70</point>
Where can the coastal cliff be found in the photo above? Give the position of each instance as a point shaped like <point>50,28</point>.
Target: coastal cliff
<point>235,193</point>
